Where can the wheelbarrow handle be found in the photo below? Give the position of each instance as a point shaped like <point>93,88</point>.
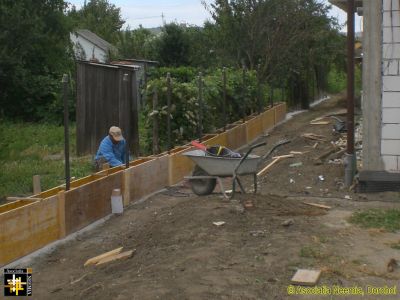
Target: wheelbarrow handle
<point>248,153</point>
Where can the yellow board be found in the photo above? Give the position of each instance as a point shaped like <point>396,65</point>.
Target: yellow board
<point>148,177</point>
<point>219,139</point>
<point>179,165</point>
<point>268,119</point>
<point>237,136</point>
<point>28,228</point>
<point>280,112</point>
<point>254,128</point>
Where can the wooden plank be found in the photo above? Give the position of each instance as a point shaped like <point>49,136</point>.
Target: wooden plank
<point>37,189</point>
<point>90,202</point>
<point>283,156</point>
<point>268,167</point>
<point>320,123</point>
<point>61,214</point>
<point>123,255</point>
<point>125,187</point>
<point>318,205</point>
<point>306,277</point>
<point>179,165</point>
<point>22,198</point>
<point>96,259</point>
<point>28,228</point>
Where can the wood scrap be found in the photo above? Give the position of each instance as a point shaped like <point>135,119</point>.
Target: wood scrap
<point>96,259</point>
<point>313,136</point>
<point>268,167</point>
<point>320,123</point>
<point>306,277</point>
<point>123,255</point>
<point>22,198</point>
<point>318,205</point>
<point>283,156</point>
<point>298,152</point>
<point>315,146</point>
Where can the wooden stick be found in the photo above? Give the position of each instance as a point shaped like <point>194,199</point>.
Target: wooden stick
<point>61,214</point>
<point>320,123</point>
<point>96,259</point>
<point>22,198</point>
<point>37,189</point>
<point>283,156</point>
<point>114,257</point>
<point>268,166</point>
<point>318,205</point>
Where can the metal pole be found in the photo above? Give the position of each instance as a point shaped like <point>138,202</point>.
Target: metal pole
<point>169,92</point>
<point>200,116</point>
<point>224,92</point>
<point>66,132</point>
<point>350,160</point>
<point>243,96</point>
<point>259,105</point>
<point>125,80</point>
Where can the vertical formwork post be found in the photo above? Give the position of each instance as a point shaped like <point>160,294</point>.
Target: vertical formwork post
<point>169,93</point>
<point>66,132</point>
<point>200,114</point>
<point>224,95</point>
<point>125,80</point>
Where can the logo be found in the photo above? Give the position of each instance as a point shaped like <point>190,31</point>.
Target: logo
<point>18,282</point>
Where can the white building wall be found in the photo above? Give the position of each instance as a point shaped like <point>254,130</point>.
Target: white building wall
<point>85,50</point>
<point>390,146</point>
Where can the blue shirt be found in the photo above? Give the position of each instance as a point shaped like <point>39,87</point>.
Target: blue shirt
<point>113,153</point>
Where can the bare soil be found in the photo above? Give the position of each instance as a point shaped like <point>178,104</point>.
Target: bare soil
<point>180,254</point>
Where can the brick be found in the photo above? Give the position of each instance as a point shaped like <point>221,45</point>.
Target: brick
<point>391,99</point>
<point>391,131</point>
<point>391,18</point>
<point>390,4</point>
<point>391,115</point>
<point>390,147</point>
<point>391,84</point>
<point>391,162</point>
<point>391,67</point>
<point>391,35</point>
<point>390,51</point>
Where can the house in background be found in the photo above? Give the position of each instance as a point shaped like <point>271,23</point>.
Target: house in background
<point>90,47</point>
<point>381,93</point>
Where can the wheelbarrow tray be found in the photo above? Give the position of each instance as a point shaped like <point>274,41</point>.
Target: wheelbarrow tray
<point>224,166</point>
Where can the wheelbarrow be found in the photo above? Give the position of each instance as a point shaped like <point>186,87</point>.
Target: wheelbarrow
<point>211,168</point>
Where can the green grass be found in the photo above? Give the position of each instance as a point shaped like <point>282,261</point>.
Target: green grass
<point>378,218</point>
<point>28,149</point>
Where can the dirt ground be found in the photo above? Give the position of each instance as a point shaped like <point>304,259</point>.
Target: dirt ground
<point>180,254</point>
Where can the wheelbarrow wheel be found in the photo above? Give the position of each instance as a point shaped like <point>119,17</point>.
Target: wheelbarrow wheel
<point>202,187</point>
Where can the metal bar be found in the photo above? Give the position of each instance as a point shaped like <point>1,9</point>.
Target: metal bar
<point>66,132</point>
<point>259,106</point>
<point>224,93</point>
<point>200,114</point>
<point>243,106</point>
<point>125,80</point>
<point>169,92</point>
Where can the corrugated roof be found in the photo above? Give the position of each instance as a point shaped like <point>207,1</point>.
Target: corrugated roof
<point>95,39</point>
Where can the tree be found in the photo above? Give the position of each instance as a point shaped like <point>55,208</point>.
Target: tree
<point>139,43</point>
<point>100,17</point>
<point>173,45</point>
<point>34,54</point>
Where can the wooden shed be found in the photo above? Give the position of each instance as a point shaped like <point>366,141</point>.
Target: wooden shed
<point>106,95</point>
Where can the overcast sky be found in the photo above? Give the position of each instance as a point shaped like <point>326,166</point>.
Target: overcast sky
<point>150,13</point>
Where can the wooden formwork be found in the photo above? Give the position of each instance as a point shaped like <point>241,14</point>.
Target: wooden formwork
<point>236,136</point>
<point>268,119</point>
<point>90,202</point>
<point>26,226</point>
<point>147,177</point>
<point>280,112</point>
<point>179,165</point>
<point>254,127</point>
